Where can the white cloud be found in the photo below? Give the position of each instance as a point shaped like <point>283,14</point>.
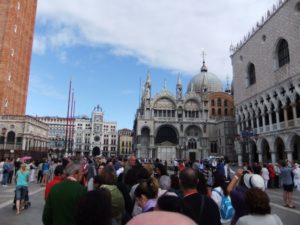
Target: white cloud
<point>62,56</point>
<point>44,88</point>
<point>166,34</point>
<point>39,45</point>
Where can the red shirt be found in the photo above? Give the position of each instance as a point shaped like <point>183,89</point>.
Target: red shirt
<point>181,167</point>
<point>50,184</point>
<point>272,173</point>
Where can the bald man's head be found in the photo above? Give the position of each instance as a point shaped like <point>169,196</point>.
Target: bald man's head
<point>160,218</point>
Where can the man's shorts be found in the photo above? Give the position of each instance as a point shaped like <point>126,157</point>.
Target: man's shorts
<point>288,188</point>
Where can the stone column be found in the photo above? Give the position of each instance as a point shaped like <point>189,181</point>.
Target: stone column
<point>263,122</point>
<point>247,123</point>
<point>294,114</point>
<point>24,143</point>
<point>259,152</point>
<point>260,157</point>
<point>242,125</point>
<point>289,154</point>
<point>252,122</point>
<point>238,128</point>
<point>273,154</point>
<point>240,159</point>
<point>285,117</point>
<point>237,148</point>
<point>270,120</point>
<point>257,124</point>
<point>277,118</point>
<point>273,157</point>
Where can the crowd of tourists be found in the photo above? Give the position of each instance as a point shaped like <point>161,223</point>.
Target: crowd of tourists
<point>97,190</point>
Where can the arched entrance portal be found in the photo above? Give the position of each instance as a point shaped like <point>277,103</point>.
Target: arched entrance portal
<point>166,140</point>
<point>96,151</point>
<point>166,134</point>
<point>266,155</point>
<point>295,144</point>
<point>279,146</point>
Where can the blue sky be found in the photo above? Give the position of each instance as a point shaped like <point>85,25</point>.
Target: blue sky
<point>107,49</point>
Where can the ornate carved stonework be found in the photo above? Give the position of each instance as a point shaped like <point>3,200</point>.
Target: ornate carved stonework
<point>165,104</point>
<point>191,106</point>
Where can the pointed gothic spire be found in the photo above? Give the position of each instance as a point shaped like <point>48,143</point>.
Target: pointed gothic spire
<point>165,85</point>
<point>148,77</point>
<point>179,82</point>
<point>203,68</point>
<point>179,88</point>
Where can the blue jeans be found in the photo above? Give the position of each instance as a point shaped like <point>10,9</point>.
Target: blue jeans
<point>4,178</point>
<point>21,192</point>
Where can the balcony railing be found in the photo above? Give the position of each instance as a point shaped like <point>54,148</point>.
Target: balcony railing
<point>291,123</point>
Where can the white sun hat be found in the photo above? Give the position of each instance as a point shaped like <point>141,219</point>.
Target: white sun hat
<point>254,180</point>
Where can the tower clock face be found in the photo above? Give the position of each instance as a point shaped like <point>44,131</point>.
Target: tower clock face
<point>96,138</point>
<point>98,118</point>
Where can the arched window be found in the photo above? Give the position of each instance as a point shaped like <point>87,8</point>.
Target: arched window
<point>226,112</point>
<point>213,112</point>
<point>11,137</point>
<point>283,53</point>
<point>225,103</point>
<point>192,144</point>
<point>219,102</point>
<point>212,102</point>
<point>219,112</point>
<point>251,74</point>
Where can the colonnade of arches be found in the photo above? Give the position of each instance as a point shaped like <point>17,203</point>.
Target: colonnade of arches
<point>269,149</point>
<point>11,140</point>
<point>276,109</point>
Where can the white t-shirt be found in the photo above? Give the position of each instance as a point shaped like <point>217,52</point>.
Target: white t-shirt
<point>265,173</point>
<point>268,219</point>
<point>296,173</point>
<point>218,200</point>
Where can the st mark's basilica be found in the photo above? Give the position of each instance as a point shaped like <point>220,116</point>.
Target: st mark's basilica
<point>188,126</point>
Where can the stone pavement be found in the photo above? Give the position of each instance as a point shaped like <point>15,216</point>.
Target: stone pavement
<point>33,215</point>
<point>30,216</point>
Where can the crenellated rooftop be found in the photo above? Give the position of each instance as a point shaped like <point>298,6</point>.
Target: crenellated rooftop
<point>234,48</point>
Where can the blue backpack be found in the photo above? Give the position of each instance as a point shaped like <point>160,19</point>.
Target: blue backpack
<point>226,208</point>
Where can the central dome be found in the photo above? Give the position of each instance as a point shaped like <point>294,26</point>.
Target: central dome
<point>205,80</point>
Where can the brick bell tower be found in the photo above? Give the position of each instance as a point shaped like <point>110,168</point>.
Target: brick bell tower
<point>17,20</point>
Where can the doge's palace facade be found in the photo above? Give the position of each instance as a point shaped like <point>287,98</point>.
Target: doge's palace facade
<point>266,77</point>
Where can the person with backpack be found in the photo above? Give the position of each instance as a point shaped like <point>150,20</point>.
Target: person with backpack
<point>220,195</point>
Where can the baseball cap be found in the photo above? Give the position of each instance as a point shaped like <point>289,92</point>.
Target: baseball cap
<point>254,180</point>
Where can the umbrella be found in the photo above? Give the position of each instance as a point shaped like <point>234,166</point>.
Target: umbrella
<point>25,158</point>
